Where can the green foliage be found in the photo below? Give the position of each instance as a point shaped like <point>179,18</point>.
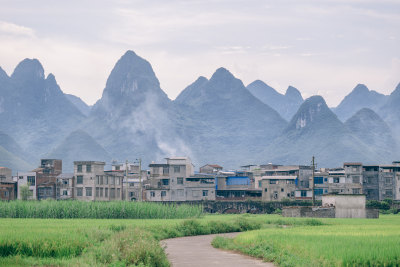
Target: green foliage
<point>99,242</point>
<point>98,210</point>
<point>375,204</point>
<point>335,242</point>
<point>25,193</point>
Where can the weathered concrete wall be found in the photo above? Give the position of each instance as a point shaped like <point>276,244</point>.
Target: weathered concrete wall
<point>372,213</point>
<point>314,212</point>
<point>346,206</point>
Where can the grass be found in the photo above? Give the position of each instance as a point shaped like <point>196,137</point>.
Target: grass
<point>325,242</point>
<point>105,242</point>
<point>96,210</point>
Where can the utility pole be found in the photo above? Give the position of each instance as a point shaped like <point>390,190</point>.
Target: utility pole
<point>313,174</point>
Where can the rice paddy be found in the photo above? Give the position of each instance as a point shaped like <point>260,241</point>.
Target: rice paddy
<point>338,242</point>
<point>97,210</point>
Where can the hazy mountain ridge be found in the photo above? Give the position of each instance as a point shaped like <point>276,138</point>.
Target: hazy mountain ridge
<point>287,104</point>
<point>360,97</point>
<point>212,120</point>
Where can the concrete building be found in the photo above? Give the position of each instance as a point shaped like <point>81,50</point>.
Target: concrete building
<point>5,174</point>
<point>26,179</point>
<point>235,185</point>
<point>198,187</point>
<point>166,179</point>
<point>8,190</point>
<point>382,181</point>
<point>134,181</point>
<point>210,168</point>
<point>278,187</point>
<point>93,183</point>
<point>46,176</point>
<point>65,186</point>
<point>321,184</point>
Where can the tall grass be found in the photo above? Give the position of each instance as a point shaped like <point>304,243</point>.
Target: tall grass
<point>97,210</point>
<point>351,242</point>
<point>99,242</point>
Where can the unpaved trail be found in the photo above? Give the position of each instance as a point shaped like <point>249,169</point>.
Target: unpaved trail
<point>193,251</point>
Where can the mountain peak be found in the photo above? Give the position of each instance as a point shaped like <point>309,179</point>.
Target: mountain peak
<point>360,88</point>
<point>313,111</point>
<point>222,74</point>
<point>293,93</point>
<point>28,69</point>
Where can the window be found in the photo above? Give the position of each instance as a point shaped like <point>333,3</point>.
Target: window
<point>79,179</point>
<point>152,194</point>
<point>101,179</point>
<point>117,168</point>
<point>97,192</point>
<point>356,191</point>
<point>266,190</point>
<point>282,190</point>
<point>88,191</point>
<point>97,179</point>
<point>318,192</point>
<point>118,192</point>
<point>88,168</point>
<point>179,180</point>
<point>20,177</point>
<point>259,183</point>
<point>105,192</point>
<point>79,168</point>
<point>318,180</point>
<point>163,193</point>
<point>165,170</point>
<point>117,180</point>
<point>106,180</point>
<point>101,191</point>
<point>205,193</point>
<point>112,192</point>
<point>65,193</point>
<point>275,196</point>
<point>6,193</point>
<point>388,193</point>
<point>177,169</point>
<point>273,181</point>
<point>65,182</point>
<point>336,180</point>
<point>303,193</point>
<point>388,180</point>
<point>31,180</point>
<point>112,180</point>
<point>79,192</point>
<point>292,194</point>
<point>325,179</point>
<point>165,181</point>
<point>356,179</point>
<point>180,192</point>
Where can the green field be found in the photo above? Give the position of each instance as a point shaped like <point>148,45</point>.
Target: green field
<point>105,242</point>
<point>338,242</point>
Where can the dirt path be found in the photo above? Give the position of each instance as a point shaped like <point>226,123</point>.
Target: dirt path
<point>193,251</point>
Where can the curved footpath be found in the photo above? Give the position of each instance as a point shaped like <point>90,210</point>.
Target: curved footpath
<point>197,251</point>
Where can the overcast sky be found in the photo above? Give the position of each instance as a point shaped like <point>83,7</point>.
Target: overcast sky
<point>320,47</point>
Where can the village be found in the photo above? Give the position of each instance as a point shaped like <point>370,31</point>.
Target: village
<point>177,180</point>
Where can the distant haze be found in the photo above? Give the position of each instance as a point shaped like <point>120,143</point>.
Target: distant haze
<point>320,47</point>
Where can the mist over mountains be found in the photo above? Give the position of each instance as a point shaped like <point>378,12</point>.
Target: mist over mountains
<point>215,120</point>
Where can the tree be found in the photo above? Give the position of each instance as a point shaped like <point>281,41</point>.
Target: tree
<point>25,193</point>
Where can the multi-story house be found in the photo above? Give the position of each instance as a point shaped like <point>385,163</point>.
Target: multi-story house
<point>93,183</point>
<point>65,186</point>
<point>278,187</point>
<point>198,187</point>
<point>235,185</point>
<point>26,179</point>
<point>5,174</point>
<point>166,179</point>
<point>134,180</point>
<point>321,185</point>
<point>8,188</point>
<point>46,176</point>
<point>210,168</point>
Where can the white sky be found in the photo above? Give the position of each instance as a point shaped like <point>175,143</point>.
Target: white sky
<point>320,47</point>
